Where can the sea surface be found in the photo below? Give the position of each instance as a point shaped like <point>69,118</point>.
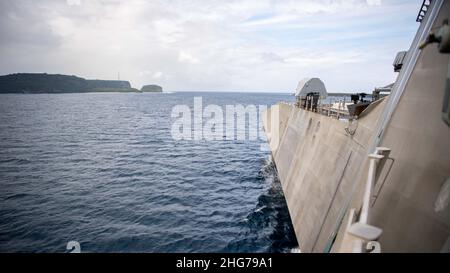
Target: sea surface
<point>103,169</point>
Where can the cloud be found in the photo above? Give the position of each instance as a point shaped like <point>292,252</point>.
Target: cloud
<point>254,45</point>
<point>374,2</point>
<point>73,2</point>
<point>187,58</point>
<point>271,57</point>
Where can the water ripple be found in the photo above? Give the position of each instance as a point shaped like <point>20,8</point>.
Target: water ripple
<point>102,169</point>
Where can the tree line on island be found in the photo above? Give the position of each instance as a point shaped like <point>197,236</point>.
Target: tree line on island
<point>54,83</point>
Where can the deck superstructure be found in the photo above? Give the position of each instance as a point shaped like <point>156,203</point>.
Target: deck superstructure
<point>382,181</point>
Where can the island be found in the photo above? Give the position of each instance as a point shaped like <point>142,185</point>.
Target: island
<point>152,88</point>
<point>35,83</point>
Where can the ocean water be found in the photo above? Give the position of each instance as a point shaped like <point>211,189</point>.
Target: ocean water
<point>102,169</point>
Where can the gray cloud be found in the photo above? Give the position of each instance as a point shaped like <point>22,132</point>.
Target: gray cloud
<point>20,25</point>
<point>208,45</point>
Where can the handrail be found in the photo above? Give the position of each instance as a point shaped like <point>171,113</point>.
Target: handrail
<point>362,229</point>
<point>374,159</point>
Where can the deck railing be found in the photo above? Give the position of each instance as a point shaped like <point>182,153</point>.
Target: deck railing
<point>364,233</point>
<point>423,10</point>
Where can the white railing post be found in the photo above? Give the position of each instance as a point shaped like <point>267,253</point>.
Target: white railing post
<point>374,158</point>
<point>362,229</point>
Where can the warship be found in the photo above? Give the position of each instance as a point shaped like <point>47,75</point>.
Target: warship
<point>372,174</point>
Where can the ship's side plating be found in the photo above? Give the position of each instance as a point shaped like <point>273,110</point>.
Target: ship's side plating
<point>323,163</point>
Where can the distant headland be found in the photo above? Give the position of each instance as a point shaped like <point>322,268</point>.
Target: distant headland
<point>35,83</point>
<point>152,88</point>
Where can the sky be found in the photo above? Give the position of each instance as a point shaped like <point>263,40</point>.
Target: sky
<point>210,45</point>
